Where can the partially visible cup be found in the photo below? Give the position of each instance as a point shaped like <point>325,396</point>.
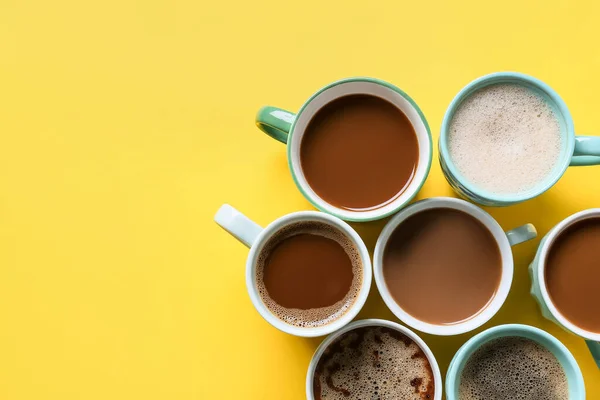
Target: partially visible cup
<point>430,258</point>
<point>423,377</point>
<point>571,150</point>
<point>539,284</point>
<point>362,143</point>
<point>576,386</point>
<point>339,238</point>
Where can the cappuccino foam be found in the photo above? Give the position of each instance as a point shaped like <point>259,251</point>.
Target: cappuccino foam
<point>373,363</point>
<point>505,139</point>
<point>513,368</point>
<point>317,316</point>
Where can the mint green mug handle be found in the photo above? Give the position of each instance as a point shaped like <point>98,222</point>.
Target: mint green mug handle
<point>595,349</point>
<point>275,122</point>
<point>521,234</point>
<point>587,151</point>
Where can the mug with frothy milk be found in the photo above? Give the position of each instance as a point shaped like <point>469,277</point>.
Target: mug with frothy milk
<point>507,138</point>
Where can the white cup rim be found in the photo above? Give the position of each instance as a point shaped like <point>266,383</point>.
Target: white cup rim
<point>505,252</point>
<point>437,377</point>
<point>541,268</point>
<point>374,87</point>
<point>273,228</point>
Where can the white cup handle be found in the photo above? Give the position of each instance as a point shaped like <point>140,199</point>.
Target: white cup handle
<point>521,234</point>
<point>241,227</point>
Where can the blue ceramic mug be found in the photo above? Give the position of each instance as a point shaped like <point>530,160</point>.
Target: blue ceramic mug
<point>564,356</point>
<point>539,289</point>
<point>576,150</point>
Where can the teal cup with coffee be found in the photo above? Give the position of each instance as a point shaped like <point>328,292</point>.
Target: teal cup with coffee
<point>565,277</point>
<point>519,361</point>
<point>507,138</point>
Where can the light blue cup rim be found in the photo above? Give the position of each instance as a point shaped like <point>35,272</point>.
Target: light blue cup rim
<point>575,380</point>
<point>509,77</point>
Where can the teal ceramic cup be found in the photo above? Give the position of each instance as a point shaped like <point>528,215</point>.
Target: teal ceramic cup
<point>539,290</point>
<point>289,129</point>
<point>576,150</point>
<point>566,359</point>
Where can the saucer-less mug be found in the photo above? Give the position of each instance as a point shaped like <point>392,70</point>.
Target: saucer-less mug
<point>539,289</point>
<point>576,150</point>
<point>437,378</point>
<point>289,129</point>
<point>504,240</point>
<point>255,237</point>
<point>564,356</point>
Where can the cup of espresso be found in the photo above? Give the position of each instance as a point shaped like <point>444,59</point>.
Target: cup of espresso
<point>308,273</point>
<point>444,266</point>
<point>509,362</point>
<point>359,148</point>
<point>565,276</point>
<point>373,359</point>
<point>507,138</point>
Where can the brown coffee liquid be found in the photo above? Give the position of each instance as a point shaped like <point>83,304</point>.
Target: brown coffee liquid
<point>573,274</point>
<point>359,152</point>
<point>373,363</point>
<point>309,274</point>
<point>442,266</point>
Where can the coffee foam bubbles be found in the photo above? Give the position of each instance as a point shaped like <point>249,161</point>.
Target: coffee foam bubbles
<point>505,139</point>
<point>373,363</point>
<point>513,368</point>
<point>314,317</point>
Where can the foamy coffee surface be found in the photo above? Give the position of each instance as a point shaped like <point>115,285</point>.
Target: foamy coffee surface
<point>513,368</point>
<point>373,363</point>
<point>313,317</point>
<point>504,139</point>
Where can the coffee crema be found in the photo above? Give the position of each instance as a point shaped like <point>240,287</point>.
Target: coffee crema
<point>442,266</point>
<point>359,152</point>
<point>505,139</point>
<point>513,368</point>
<point>373,363</point>
<point>309,274</point>
<point>572,274</point>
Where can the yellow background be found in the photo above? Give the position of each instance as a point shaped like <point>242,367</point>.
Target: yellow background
<point>125,124</point>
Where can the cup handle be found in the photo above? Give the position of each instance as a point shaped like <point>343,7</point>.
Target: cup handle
<point>587,151</point>
<point>595,350</point>
<point>241,227</point>
<point>275,122</point>
<point>521,234</point>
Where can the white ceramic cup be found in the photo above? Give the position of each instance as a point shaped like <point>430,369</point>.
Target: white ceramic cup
<point>504,240</point>
<point>437,377</point>
<point>255,237</point>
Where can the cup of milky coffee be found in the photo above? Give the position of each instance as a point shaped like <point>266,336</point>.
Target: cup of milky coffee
<point>514,362</point>
<point>373,359</point>
<point>444,266</point>
<point>359,148</point>
<point>565,276</point>
<point>508,137</point>
<point>308,273</point>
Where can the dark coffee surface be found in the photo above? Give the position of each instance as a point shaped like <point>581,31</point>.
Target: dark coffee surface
<point>573,274</point>
<point>373,363</point>
<point>513,368</point>
<point>309,274</point>
<point>359,152</point>
<point>442,266</point>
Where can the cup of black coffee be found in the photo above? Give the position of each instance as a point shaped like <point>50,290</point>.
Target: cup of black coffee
<point>373,359</point>
<point>308,273</point>
<point>359,148</point>
<point>514,362</point>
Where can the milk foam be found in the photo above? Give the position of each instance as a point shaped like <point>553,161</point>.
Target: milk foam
<point>513,368</point>
<point>504,139</point>
<point>317,316</point>
<point>373,363</point>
